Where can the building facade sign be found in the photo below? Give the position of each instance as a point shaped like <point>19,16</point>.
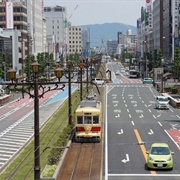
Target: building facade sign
<point>9,15</point>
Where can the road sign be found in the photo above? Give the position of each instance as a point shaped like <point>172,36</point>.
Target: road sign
<point>85,54</point>
<point>158,70</point>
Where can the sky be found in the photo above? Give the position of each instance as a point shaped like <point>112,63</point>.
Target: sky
<point>86,12</point>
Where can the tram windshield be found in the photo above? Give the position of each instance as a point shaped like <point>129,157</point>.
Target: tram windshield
<point>87,120</point>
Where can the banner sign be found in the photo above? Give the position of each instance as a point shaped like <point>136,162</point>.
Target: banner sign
<point>9,15</point>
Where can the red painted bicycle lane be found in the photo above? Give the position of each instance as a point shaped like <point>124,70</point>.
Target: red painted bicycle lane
<point>125,80</point>
<point>175,135</point>
<point>14,104</point>
<point>22,111</point>
<point>46,96</point>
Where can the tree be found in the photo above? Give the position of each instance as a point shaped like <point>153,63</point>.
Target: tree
<point>28,62</point>
<point>177,62</point>
<point>158,60</point>
<point>4,63</point>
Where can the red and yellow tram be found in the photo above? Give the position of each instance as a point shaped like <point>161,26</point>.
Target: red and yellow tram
<point>89,120</point>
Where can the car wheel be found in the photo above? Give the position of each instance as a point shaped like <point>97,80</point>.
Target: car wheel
<point>171,169</point>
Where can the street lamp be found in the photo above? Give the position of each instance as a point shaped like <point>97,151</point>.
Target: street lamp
<point>81,66</point>
<point>36,86</point>
<point>69,73</point>
<point>87,78</point>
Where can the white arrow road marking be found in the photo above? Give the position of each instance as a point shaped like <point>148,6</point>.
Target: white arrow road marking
<point>141,116</point>
<point>126,160</point>
<point>135,105</point>
<point>151,132</point>
<point>159,115</point>
<point>117,116</point>
<point>149,105</point>
<point>115,104</point>
<point>121,132</point>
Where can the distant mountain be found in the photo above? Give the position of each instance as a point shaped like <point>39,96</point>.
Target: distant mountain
<point>107,31</point>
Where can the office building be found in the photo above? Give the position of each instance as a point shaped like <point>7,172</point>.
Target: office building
<point>56,30</point>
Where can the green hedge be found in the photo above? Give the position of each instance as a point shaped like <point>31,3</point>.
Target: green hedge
<point>171,89</point>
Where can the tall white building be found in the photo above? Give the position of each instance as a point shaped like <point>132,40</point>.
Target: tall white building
<point>56,23</point>
<point>35,25</point>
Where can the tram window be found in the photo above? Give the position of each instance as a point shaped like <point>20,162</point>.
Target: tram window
<point>79,119</point>
<point>87,120</point>
<point>95,120</point>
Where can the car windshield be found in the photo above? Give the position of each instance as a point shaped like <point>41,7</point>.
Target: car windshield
<point>160,151</point>
<point>163,99</point>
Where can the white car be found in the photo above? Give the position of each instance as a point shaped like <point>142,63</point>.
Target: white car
<point>98,81</point>
<point>162,102</point>
<point>117,73</point>
<point>123,70</point>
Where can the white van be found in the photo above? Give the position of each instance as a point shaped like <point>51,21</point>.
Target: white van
<point>98,81</point>
<point>162,102</point>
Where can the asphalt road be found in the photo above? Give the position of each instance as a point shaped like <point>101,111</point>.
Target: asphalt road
<point>17,122</point>
<point>131,118</point>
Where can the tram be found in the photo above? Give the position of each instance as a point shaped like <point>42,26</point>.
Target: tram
<point>89,120</point>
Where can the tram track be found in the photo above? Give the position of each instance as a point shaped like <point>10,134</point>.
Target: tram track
<point>83,161</point>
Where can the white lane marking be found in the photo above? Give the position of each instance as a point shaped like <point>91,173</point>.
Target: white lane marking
<point>129,116</point>
<point>132,123</point>
<point>146,175</point>
<point>154,116</point>
<point>159,123</point>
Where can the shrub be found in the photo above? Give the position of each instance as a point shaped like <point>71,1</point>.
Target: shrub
<point>167,89</point>
<point>49,171</point>
<point>55,153</point>
<point>174,90</point>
